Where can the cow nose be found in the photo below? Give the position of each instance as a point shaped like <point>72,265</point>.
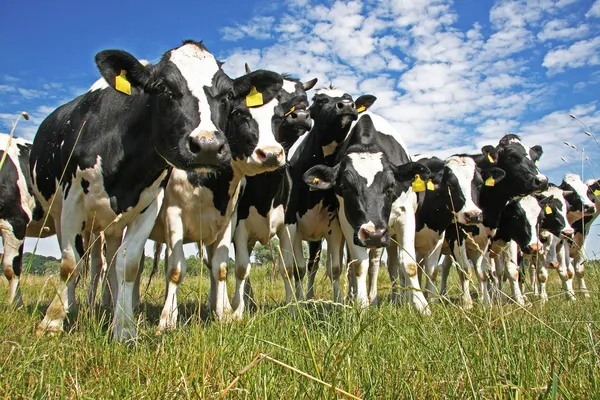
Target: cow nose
<point>535,247</point>
<point>270,156</point>
<point>345,106</point>
<point>209,148</point>
<point>473,216</point>
<point>553,265</point>
<point>301,119</point>
<point>541,182</point>
<point>589,209</point>
<point>567,232</point>
<point>372,237</point>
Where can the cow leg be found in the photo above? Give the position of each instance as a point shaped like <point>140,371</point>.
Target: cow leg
<point>314,256</point>
<point>218,255</point>
<point>393,270</point>
<point>462,267</point>
<point>512,269</point>
<point>335,241</point>
<point>12,264</point>
<point>542,277</point>
<point>430,264</point>
<point>287,260</point>
<point>360,266</point>
<point>405,233</point>
<point>565,271</point>
<point>95,269</point>
<point>110,290</point>
<point>532,277</point>
<point>72,250</point>
<point>446,263</point>
<point>242,268</point>
<point>175,269</point>
<point>578,264</point>
<point>374,263</point>
<point>127,265</point>
<point>481,267</point>
<point>137,283</point>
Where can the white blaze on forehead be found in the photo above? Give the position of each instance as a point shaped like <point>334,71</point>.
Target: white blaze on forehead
<point>463,168</point>
<point>289,86</point>
<point>367,165</point>
<point>525,148</point>
<point>263,116</point>
<point>532,210</point>
<point>198,68</point>
<point>579,187</point>
<point>331,92</point>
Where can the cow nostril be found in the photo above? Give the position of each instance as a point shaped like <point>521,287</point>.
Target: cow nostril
<point>222,150</point>
<point>194,146</point>
<point>340,105</point>
<point>262,156</point>
<point>294,115</point>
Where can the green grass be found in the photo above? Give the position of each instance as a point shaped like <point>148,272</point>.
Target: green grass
<point>386,352</point>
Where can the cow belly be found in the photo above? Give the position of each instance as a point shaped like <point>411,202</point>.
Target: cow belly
<point>426,239</point>
<point>316,223</point>
<point>262,228</point>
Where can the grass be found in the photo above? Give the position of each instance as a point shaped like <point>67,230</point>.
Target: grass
<point>385,352</point>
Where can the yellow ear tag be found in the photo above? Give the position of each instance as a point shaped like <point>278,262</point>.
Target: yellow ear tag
<point>490,181</point>
<point>122,84</point>
<point>430,185</point>
<point>254,98</point>
<point>547,209</point>
<point>361,109</point>
<point>289,112</point>
<point>316,181</point>
<point>418,184</point>
<point>490,158</point>
<point>536,162</point>
<point>597,192</point>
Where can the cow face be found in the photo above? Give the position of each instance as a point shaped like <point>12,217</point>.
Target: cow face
<point>182,128</point>
<point>518,161</point>
<point>521,218</point>
<point>365,185</point>
<point>594,191</point>
<point>576,194</point>
<point>554,208</point>
<point>246,112</point>
<point>292,118</point>
<point>462,181</point>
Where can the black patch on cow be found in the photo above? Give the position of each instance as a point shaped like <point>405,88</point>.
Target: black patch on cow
<point>17,264</point>
<point>83,226</point>
<point>79,245</point>
<point>217,182</point>
<point>85,186</point>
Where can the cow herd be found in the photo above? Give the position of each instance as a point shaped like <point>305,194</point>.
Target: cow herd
<point>179,152</point>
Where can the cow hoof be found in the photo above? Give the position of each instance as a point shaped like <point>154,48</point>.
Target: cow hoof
<point>51,328</point>
<point>122,334</point>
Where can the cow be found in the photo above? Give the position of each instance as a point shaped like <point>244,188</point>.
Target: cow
<point>199,208</point>
<point>452,197</point>
<point>371,178</point>
<point>21,215</point>
<point>521,178</point>
<point>584,206</point>
<point>100,162</point>
<point>312,215</point>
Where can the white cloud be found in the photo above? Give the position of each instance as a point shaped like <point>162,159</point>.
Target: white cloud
<point>594,11</point>
<point>579,54</point>
<point>258,28</point>
<point>31,93</point>
<point>559,29</point>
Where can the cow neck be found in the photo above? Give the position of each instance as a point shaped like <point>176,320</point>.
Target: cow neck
<point>492,202</point>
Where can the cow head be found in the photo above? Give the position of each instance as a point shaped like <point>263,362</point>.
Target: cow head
<point>520,220</point>
<point>518,161</point>
<point>366,185</point>
<point>594,191</point>
<point>462,181</point>
<point>554,207</point>
<point>576,194</point>
<point>292,118</point>
<point>245,112</point>
<point>182,129</point>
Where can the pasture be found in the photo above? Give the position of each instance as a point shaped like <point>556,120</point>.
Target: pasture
<point>386,352</point>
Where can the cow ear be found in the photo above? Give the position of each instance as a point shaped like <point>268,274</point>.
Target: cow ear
<point>247,67</point>
<point>490,153</point>
<point>364,102</point>
<point>309,84</point>
<point>321,177</point>
<point>497,174</point>
<point>258,87</point>
<point>536,153</point>
<point>408,172</point>
<point>122,71</point>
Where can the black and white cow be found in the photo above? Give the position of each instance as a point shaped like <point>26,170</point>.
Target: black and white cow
<point>263,203</point>
<point>312,215</point>
<point>452,197</point>
<point>100,162</point>
<point>584,207</point>
<point>21,214</point>
<point>199,208</point>
<point>371,178</point>
<point>521,178</point>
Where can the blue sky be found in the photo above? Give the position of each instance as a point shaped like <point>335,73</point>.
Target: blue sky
<point>450,75</point>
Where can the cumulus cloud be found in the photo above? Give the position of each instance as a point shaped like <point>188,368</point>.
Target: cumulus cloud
<point>594,11</point>
<point>580,54</point>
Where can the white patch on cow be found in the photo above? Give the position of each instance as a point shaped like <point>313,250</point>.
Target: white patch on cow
<point>289,86</point>
<point>368,227</point>
<point>532,210</point>
<point>314,224</point>
<point>198,68</point>
<point>384,127</point>
<point>463,169</point>
<point>263,229</point>
<point>330,148</point>
<point>100,84</point>
<point>579,187</point>
<point>263,116</point>
<point>296,145</point>
<point>525,148</point>
<point>367,165</point>
<point>331,92</point>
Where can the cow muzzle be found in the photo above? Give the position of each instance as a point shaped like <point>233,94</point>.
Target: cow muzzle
<point>473,217</point>
<point>269,156</point>
<point>208,148</point>
<point>300,119</point>
<point>371,237</point>
<point>567,233</point>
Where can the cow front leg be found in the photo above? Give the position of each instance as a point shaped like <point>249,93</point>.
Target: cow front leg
<point>290,268</point>
<point>218,255</point>
<point>12,264</point>
<point>463,270</point>
<point>242,268</point>
<point>110,286</point>
<point>96,264</point>
<point>578,266</point>
<point>374,264</point>
<point>334,265</point>
<point>394,271</point>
